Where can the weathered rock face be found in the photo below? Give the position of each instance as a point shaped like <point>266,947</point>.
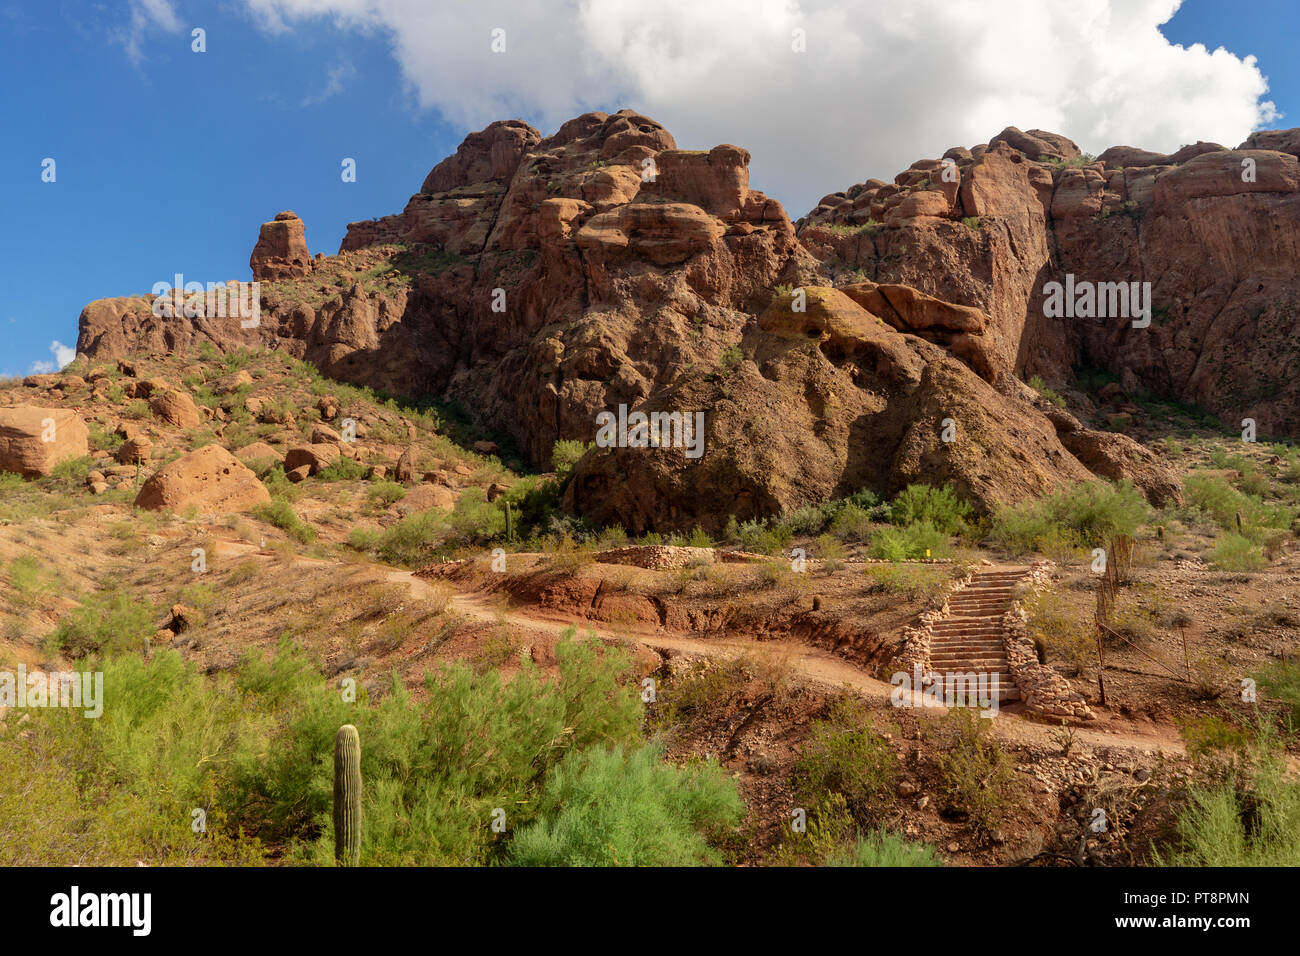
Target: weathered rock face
<point>281,250</point>
<point>33,440</point>
<point>1214,231</point>
<point>829,400</point>
<point>209,478</point>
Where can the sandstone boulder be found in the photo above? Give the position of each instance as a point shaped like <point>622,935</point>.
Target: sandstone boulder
<point>209,478</point>
<point>258,452</point>
<point>34,440</point>
<point>314,456</point>
<point>175,408</point>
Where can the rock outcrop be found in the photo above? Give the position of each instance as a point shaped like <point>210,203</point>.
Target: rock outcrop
<point>281,250</point>
<point>34,440</point>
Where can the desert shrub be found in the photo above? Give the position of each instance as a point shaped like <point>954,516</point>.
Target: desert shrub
<point>612,537</point>
<point>1213,496</point>
<point>844,754</point>
<point>280,513</point>
<point>881,848</point>
<point>975,772</point>
<point>628,808</point>
<point>706,687</point>
<point>121,788</point>
<point>343,469</point>
<point>1093,511</point>
<point>764,538</point>
<point>364,539</point>
<point>565,454</point>
<point>1251,820</point>
<point>808,520</point>
<point>916,541</point>
<point>1234,552</point>
<point>851,523</point>
<point>476,521</point>
<point>1207,734</point>
<point>1063,639</point>
<point>108,623</point>
<point>922,503</point>
<point>101,439</point>
<point>834,838</point>
<point>27,585</point>
<point>1282,680</point>
<point>699,539</point>
<point>253,748</point>
<point>410,540</point>
<point>71,474</point>
<point>908,580</point>
<point>1038,385</point>
<point>434,771</point>
<point>386,493</point>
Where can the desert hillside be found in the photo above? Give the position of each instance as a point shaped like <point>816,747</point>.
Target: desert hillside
<point>941,576</point>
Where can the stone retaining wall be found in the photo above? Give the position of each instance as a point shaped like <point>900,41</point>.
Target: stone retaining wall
<point>1042,689</point>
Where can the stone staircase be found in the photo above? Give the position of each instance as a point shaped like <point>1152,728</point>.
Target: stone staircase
<point>969,639</point>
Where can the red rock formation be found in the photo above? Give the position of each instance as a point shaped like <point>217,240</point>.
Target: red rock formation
<point>281,250</point>
<point>547,279</point>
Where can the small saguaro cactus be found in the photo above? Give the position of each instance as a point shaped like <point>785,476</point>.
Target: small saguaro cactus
<point>510,523</point>
<point>347,796</point>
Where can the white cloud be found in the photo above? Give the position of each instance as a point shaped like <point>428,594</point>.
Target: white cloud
<point>146,15</point>
<point>338,75</point>
<point>63,356</point>
<point>882,83</point>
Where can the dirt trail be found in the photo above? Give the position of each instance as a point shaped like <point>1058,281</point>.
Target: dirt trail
<point>811,664</point>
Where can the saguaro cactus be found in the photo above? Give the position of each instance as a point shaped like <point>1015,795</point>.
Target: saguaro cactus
<point>347,796</point>
<point>510,523</point>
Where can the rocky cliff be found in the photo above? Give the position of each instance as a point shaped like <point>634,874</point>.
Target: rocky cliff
<point>543,280</point>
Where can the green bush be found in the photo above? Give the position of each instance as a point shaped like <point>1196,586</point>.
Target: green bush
<point>914,542</point>
<point>940,507</point>
<point>387,493</point>
<point>343,469</point>
<point>280,513</point>
<point>880,848</point>
<point>1250,822</point>
<point>844,754</point>
<point>410,541</point>
<point>1282,680</point>
<point>618,808</point>
<point>975,772</point>
<point>565,454</point>
<point>1213,495</point>
<point>1233,552</point>
<point>108,623</point>
<point>1093,512</point>
<point>252,747</point>
<point>851,523</point>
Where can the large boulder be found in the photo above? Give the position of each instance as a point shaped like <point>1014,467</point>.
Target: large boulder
<point>210,479</point>
<point>314,457</point>
<point>175,408</point>
<point>33,440</point>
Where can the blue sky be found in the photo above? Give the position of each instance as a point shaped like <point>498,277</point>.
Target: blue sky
<point>167,160</point>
